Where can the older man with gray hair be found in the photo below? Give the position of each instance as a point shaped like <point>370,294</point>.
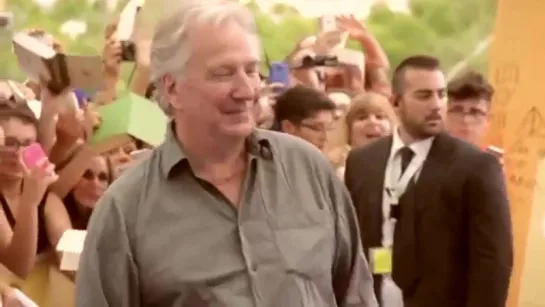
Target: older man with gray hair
<point>222,213</point>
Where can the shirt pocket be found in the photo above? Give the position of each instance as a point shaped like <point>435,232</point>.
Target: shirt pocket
<point>305,240</point>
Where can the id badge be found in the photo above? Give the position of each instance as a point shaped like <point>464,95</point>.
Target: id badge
<point>381,260</point>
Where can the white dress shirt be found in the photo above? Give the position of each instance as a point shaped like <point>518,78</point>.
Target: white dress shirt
<point>391,294</point>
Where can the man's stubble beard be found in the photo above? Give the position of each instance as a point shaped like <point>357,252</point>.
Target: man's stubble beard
<point>417,130</point>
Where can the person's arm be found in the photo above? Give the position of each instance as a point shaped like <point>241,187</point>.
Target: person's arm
<point>142,72</point>
<point>18,245</point>
<point>47,129</point>
<point>376,60</point>
<point>490,235</point>
<point>108,94</point>
<point>107,273</point>
<point>352,280</point>
<point>112,58</point>
<point>57,220</point>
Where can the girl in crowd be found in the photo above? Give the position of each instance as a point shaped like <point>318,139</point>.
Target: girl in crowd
<point>23,199</point>
<point>32,219</point>
<point>22,192</point>
<point>91,178</point>
<point>369,117</point>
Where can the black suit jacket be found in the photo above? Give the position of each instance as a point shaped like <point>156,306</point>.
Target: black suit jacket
<point>463,246</point>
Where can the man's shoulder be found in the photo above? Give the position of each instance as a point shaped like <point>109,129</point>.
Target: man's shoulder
<point>461,147</point>
<point>467,155</point>
<point>379,146</point>
<point>296,154</point>
<point>127,189</point>
<point>287,144</point>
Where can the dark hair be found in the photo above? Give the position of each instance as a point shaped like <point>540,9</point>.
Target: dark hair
<point>425,62</point>
<point>470,85</point>
<point>150,90</point>
<point>81,221</point>
<point>301,102</point>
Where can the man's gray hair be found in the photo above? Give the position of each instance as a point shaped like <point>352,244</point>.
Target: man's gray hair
<point>170,48</point>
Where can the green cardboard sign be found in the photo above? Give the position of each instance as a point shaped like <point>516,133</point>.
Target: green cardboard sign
<point>133,115</point>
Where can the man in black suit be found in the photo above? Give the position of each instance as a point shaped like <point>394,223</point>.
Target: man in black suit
<point>432,208</point>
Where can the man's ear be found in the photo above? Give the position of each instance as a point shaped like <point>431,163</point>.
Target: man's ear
<point>394,100</point>
<point>287,126</point>
<point>170,90</point>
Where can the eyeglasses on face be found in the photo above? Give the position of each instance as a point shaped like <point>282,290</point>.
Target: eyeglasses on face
<point>474,114</point>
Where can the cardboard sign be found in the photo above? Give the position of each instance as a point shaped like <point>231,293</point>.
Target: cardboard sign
<point>70,246</point>
<point>517,125</point>
<point>130,116</point>
<point>42,64</point>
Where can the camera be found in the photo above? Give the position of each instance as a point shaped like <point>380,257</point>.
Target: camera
<point>320,60</point>
<point>128,51</point>
<point>6,20</point>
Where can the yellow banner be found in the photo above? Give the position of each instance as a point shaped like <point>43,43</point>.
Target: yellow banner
<point>518,125</point>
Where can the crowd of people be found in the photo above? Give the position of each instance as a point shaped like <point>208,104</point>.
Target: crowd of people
<point>338,186</point>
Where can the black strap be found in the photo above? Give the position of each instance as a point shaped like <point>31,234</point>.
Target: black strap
<point>267,61</point>
<point>7,211</point>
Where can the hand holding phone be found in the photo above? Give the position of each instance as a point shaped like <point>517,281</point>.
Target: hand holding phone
<point>328,23</point>
<point>33,155</point>
<point>329,42</point>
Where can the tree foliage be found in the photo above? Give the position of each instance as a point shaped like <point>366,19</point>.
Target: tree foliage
<point>447,29</point>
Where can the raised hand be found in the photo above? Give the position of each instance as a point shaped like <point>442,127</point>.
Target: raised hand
<point>37,179</point>
<point>112,51</point>
<point>354,27</point>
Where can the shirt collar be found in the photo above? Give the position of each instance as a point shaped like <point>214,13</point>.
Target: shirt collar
<point>172,153</point>
<point>420,147</point>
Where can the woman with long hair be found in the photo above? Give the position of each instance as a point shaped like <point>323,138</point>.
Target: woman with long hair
<point>23,192</point>
<point>369,117</point>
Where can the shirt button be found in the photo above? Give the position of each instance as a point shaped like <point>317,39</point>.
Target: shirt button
<point>253,267</point>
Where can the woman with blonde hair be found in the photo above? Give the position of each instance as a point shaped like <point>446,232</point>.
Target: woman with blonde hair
<point>369,117</point>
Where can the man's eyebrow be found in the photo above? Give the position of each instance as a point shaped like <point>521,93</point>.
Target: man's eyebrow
<point>427,90</point>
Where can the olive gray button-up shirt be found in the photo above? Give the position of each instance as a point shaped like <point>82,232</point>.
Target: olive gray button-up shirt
<point>162,237</point>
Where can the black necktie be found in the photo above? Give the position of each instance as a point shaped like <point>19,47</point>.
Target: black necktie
<point>407,155</point>
<point>405,270</point>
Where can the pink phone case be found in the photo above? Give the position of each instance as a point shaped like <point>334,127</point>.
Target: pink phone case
<point>33,154</point>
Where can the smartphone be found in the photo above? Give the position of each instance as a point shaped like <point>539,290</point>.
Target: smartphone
<point>33,154</point>
<point>125,29</point>
<point>280,73</point>
<point>496,151</point>
<point>328,23</point>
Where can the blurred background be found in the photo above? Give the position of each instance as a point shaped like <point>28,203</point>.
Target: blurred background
<point>458,32</point>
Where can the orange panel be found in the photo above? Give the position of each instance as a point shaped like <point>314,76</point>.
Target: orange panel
<point>517,125</point>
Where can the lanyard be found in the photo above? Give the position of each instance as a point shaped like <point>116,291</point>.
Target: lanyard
<point>395,189</point>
